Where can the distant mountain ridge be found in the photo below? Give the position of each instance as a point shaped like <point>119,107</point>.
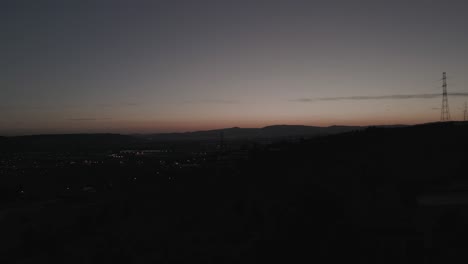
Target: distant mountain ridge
<point>275,131</point>
<point>108,140</point>
<point>84,142</point>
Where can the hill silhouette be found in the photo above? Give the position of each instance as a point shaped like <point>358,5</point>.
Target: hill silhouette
<point>275,131</point>
<point>103,141</point>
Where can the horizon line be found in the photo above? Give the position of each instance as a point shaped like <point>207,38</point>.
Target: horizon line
<point>225,128</point>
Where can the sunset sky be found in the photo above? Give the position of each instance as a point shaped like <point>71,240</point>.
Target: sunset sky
<point>159,66</point>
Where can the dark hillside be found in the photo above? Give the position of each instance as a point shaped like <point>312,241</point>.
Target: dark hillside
<point>380,195</point>
<point>68,142</point>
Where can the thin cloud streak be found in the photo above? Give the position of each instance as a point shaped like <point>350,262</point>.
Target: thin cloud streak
<point>381,97</point>
<point>68,106</point>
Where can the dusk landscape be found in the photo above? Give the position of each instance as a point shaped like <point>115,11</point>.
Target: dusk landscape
<point>233,131</point>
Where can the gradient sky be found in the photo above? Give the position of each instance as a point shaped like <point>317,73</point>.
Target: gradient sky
<point>156,66</point>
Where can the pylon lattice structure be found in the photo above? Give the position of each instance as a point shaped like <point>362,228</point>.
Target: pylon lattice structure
<point>445,112</point>
<point>465,113</point>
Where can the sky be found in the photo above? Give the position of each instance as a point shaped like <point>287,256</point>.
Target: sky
<point>162,66</point>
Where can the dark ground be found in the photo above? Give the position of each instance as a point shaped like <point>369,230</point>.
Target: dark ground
<point>381,195</point>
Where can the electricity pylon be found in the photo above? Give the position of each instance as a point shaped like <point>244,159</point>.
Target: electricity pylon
<point>445,112</point>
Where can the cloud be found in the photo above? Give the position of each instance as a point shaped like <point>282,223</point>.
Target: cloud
<point>381,97</point>
<point>37,107</point>
<point>67,106</point>
<point>304,100</point>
